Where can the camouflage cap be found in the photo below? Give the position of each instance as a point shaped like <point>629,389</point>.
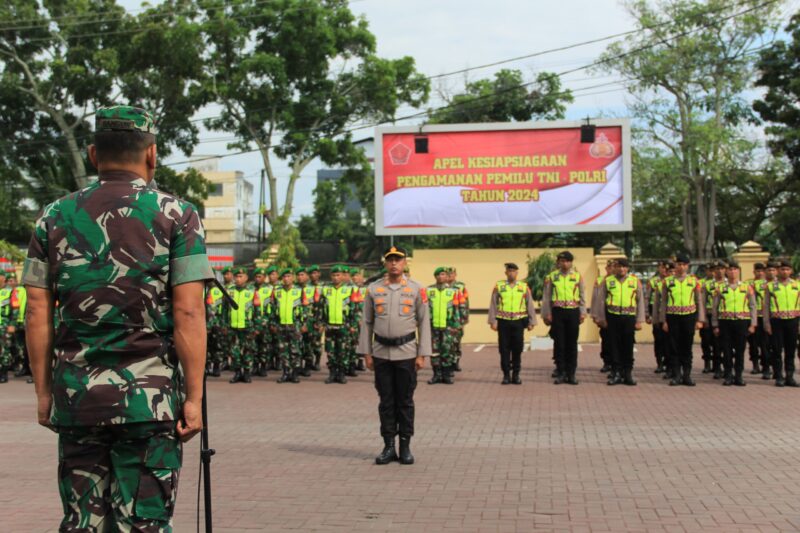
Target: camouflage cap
<point>124,118</point>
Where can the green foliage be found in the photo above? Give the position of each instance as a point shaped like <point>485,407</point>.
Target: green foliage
<point>538,269</point>
<point>189,184</point>
<point>506,98</point>
<point>9,251</point>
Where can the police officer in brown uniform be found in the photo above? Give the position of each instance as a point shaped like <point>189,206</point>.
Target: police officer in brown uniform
<point>395,338</point>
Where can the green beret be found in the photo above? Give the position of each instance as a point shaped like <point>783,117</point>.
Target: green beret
<point>259,271</point>
<point>439,270</point>
<point>239,270</point>
<point>227,269</point>
<point>354,271</point>
<point>299,269</point>
<point>11,275</point>
<point>337,269</point>
<point>270,269</point>
<point>313,268</point>
<point>285,271</point>
<point>124,118</point>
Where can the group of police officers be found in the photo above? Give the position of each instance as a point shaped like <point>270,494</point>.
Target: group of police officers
<point>283,318</point>
<point>13,352</point>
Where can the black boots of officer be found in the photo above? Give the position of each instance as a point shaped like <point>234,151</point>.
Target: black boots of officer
<point>614,376</point>
<point>337,375</point>
<point>215,371</point>
<point>388,454</point>
<point>24,370</point>
<point>515,378</point>
<point>437,376</point>
<point>627,377</point>
<point>506,378</point>
<point>707,366</point>
<point>756,367</point>
<point>305,370</point>
<point>360,365</point>
<point>284,376</point>
<point>237,377</point>
<point>246,377</point>
<point>261,370</point>
<point>317,359</point>
<point>405,451</point>
<point>687,376</point>
<point>447,375</point>
<point>3,375</point>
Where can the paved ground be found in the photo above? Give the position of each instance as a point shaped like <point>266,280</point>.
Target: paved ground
<point>535,457</point>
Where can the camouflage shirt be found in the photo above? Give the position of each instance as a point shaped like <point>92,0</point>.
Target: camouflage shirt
<point>111,253</point>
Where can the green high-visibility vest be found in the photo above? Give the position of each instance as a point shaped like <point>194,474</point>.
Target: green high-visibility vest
<point>681,295</point>
<point>265,298</point>
<point>337,303</point>
<point>734,304</point>
<point>442,303</point>
<point>289,304</point>
<point>621,295</point>
<point>513,300</point>
<point>5,304</point>
<point>245,298</point>
<point>22,298</point>
<point>784,300</point>
<point>566,292</point>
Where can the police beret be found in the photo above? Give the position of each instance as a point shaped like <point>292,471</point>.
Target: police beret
<point>259,271</point>
<point>11,274</point>
<point>511,266</point>
<point>785,263</point>
<point>439,270</point>
<point>354,271</point>
<point>239,270</point>
<point>313,268</point>
<point>395,250</point>
<point>285,271</point>
<point>270,269</point>
<point>227,269</point>
<point>759,266</point>
<point>299,269</point>
<point>623,261</point>
<point>337,269</point>
<point>733,264</point>
<point>682,258</point>
<point>565,255</point>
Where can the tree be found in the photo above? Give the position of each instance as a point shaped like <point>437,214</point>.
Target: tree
<point>687,70</point>
<point>291,77</point>
<point>506,98</point>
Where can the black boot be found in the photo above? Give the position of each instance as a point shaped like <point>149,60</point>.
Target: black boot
<point>331,376</point>
<point>766,372</point>
<point>506,379</point>
<point>457,368</point>
<point>284,376</point>
<point>790,381</point>
<point>351,370</point>
<point>293,376</point>
<point>237,377</point>
<point>738,380</point>
<point>687,376</point>
<point>360,366</point>
<point>718,374</point>
<point>756,367</point>
<point>628,378</point>
<point>340,376</point>
<point>388,454</point>
<point>571,379</point>
<point>515,378</point>
<point>728,380</point>
<point>437,376</point>
<point>605,368</point>
<point>4,376</point>
<point>659,365</point>
<point>246,377</point>
<point>317,359</point>
<point>676,378</point>
<point>555,373</point>
<point>405,451</point>
<point>614,377</point>
<point>447,375</point>
<point>24,370</point>
<point>304,370</point>
<point>706,366</point>
<point>215,372</point>
<point>262,370</point>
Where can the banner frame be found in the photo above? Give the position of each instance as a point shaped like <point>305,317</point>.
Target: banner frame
<point>624,123</point>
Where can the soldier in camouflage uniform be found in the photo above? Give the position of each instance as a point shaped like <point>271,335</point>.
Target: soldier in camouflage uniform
<point>242,326</point>
<point>216,324</point>
<point>127,264</point>
<point>273,356</point>
<point>289,322</point>
<point>227,278</point>
<point>339,322</point>
<point>463,310</point>
<point>311,296</point>
<point>9,309</point>
<point>261,322</point>
<point>314,276</point>
<point>444,303</point>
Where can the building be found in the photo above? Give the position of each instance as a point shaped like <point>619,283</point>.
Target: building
<point>228,214</point>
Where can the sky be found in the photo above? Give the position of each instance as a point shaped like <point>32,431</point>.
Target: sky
<point>447,35</point>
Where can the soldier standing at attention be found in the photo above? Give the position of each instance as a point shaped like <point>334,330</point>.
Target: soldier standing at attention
<point>311,299</point>
<point>289,322</point>
<point>125,321</point>
<point>511,310</point>
<point>622,316</point>
<point>652,291</point>
<point>733,316</point>
<point>9,309</point>
<point>757,357</point>
<point>463,312</point>
<point>261,322</point>
<point>273,356</point>
<point>227,278</point>
<point>357,302</point>
<point>339,322</point>
<point>564,310</point>
<point>314,276</point>
<point>781,312</point>
<point>242,326</point>
<point>395,338</point>
<point>216,326</point>
<point>682,312</point>
<point>444,301</point>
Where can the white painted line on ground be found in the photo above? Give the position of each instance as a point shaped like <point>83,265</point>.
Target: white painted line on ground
<point>479,348</point>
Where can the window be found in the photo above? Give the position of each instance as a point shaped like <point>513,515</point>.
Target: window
<point>217,190</point>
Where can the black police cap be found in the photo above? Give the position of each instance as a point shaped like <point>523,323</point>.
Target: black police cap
<point>682,258</point>
<point>511,266</point>
<point>395,251</point>
<point>565,255</point>
<point>622,261</point>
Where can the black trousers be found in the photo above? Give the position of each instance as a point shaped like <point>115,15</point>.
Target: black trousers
<point>709,343</point>
<point>510,337</point>
<point>660,345</point>
<point>758,345</point>
<point>784,344</point>
<point>732,340</point>
<point>564,330</point>
<point>605,355</point>
<point>395,382</point>
<point>681,337</point>
<point>620,336</point>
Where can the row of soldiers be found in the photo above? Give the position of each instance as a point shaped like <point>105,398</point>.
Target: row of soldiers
<point>279,322</point>
<point>728,312</point>
<point>13,352</point>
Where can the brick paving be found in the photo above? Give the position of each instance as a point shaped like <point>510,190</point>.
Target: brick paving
<point>535,457</point>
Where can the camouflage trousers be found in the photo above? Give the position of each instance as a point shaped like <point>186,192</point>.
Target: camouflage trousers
<point>312,346</point>
<point>444,342</point>
<point>459,337</point>
<point>243,348</point>
<point>120,477</point>
<point>264,344</point>
<point>351,343</point>
<point>217,346</point>
<point>336,347</point>
<point>6,352</point>
<point>19,349</point>
<point>289,339</point>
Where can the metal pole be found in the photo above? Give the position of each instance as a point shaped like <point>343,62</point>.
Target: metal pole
<point>261,228</point>
<point>205,458</point>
